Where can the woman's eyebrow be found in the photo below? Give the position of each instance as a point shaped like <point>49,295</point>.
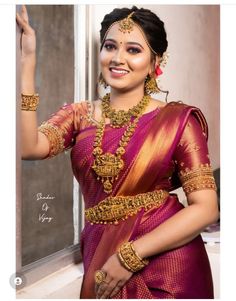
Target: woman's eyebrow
<point>132,43</point>
<point>135,43</point>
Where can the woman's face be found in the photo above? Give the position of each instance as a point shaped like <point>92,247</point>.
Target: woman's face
<point>125,59</point>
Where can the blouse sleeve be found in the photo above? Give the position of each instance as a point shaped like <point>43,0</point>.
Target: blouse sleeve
<point>60,129</point>
<point>192,158</point>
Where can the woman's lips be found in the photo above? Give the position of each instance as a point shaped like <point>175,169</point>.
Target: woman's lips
<point>117,72</point>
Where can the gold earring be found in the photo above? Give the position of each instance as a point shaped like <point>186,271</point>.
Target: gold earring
<point>150,86</point>
<point>102,81</point>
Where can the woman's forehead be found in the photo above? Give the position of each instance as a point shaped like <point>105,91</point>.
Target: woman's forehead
<point>133,36</point>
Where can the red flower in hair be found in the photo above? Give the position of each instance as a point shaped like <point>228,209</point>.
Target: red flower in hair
<point>158,71</point>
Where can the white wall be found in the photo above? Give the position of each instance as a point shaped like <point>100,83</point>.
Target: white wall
<point>192,71</point>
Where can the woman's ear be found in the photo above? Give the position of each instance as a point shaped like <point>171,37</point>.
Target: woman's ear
<point>157,60</point>
<point>154,62</point>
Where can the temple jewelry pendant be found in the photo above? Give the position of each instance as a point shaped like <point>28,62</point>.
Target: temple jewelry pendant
<point>108,166</point>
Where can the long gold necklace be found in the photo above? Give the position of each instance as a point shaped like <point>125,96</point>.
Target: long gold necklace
<point>120,118</point>
<point>107,165</point>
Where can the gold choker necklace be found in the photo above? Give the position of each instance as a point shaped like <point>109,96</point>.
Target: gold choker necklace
<point>121,118</point>
<point>106,165</point>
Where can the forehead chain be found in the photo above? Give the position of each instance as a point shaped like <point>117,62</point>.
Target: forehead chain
<point>126,25</point>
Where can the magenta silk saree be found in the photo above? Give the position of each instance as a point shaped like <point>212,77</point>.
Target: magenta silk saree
<point>168,144</point>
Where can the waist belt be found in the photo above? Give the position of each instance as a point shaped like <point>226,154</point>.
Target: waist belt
<point>113,209</point>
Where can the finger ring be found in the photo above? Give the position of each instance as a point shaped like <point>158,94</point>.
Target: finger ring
<point>99,276</point>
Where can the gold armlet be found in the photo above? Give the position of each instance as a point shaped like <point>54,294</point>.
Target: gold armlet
<point>130,259</point>
<point>29,102</point>
<point>55,137</point>
<point>197,178</point>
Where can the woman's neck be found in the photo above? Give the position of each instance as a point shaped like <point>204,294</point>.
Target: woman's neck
<point>125,100</point>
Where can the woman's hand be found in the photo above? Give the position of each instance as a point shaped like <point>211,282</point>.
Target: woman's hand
<point>116,277</point>
<point>28,38</point>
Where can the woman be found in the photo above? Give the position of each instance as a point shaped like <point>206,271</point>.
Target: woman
<point>129,152</point>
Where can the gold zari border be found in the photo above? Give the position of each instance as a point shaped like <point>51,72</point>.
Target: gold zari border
<point>197,178</point>
<point>113,209</point>
<point>55,137</point>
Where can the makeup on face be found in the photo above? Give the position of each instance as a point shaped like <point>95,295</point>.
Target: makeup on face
<point>125,55</point>
<point>131,46</point>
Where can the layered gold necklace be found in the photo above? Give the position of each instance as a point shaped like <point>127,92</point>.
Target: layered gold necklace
<point>107,165</point>
<point>121,118</point>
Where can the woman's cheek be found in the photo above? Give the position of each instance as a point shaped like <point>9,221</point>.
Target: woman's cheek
<point>104,57</point>
<point>139,62</point>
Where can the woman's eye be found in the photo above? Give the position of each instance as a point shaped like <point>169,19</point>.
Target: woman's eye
<point>134,50</point>
<point>109,46</point>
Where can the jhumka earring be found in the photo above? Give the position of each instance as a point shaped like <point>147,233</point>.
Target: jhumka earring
<point>102,81</point>
<point>151,82</point>
<point>150,86</point>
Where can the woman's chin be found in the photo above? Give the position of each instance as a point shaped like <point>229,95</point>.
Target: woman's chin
<point>121,88</point>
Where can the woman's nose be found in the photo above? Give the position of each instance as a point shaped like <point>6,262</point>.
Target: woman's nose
<point>119,57</point>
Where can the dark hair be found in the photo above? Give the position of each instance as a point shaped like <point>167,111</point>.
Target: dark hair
<point>150,23</point>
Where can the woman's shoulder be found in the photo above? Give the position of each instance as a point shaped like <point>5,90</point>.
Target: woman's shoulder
<point>87,108</point>
<point>179,105</point>
<point>179,108</point>
<point>192,113</point>
<point>170,104</point>
<point>176,103</point>
<point>82,106</point>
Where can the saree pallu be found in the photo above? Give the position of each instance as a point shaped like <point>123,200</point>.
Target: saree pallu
<point>151,162</point>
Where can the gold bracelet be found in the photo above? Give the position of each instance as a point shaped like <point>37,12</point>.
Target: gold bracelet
<point>29,102</point>
<point>130,259</point>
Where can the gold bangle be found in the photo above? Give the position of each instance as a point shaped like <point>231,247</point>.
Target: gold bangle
<point>130,259</point>
<point>29,102</point>
<point>143,260</point>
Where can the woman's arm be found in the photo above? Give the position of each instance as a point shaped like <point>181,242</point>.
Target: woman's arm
<point>34,145</point>
<point>182,227</point>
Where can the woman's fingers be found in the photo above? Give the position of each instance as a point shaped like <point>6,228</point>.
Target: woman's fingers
<point>23,21</point>
<point>105,289</point>
<point>28,37</point>
<point>19,20</point>
<point>24,13</point>
<point>22,18</point>
<point>108,289</point>
<point>116,277</point>
<point>117,288</point>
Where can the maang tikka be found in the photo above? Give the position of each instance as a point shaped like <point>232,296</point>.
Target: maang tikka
<point>126,25</point>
